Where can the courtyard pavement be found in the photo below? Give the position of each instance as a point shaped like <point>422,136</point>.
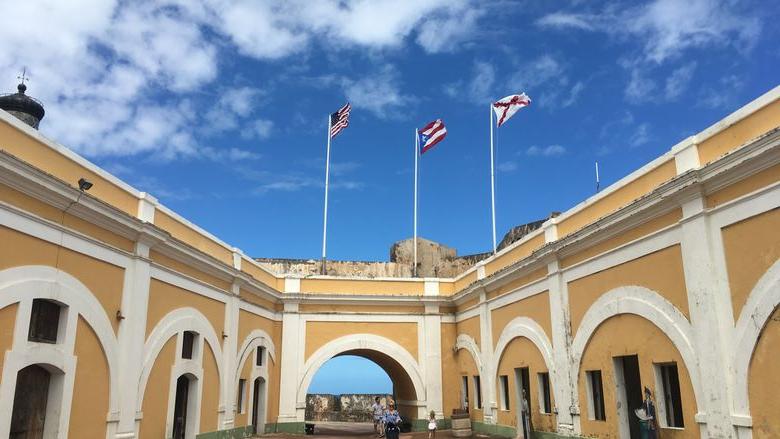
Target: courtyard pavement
<point>335,430</point>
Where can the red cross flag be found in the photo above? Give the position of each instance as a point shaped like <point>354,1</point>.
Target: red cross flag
<point>508,106</point>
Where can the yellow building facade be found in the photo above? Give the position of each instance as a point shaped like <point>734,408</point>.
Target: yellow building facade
<point>121,319</point>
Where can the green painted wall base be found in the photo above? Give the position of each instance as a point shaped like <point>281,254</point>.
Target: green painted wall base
<point>234,433</point>
<point>286,427</point>
<point>493,429</point>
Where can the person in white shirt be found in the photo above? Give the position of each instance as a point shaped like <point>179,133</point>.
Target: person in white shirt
<point>378,413</point>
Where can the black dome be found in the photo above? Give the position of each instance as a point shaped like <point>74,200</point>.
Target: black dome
<point>22,103</point>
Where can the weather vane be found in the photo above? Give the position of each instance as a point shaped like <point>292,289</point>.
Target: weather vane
<point>24,76</point>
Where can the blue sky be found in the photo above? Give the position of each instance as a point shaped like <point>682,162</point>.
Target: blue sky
<point>219,108</point>
<point>350,374</point>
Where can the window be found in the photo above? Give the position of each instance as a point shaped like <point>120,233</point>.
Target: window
<point>595,395</point>
<point>544,392</point>
<point>504,381</point>
<point>464,390</point>
<point>671,409</point>
<point>478,392</point>
<point>240,400</point>
<point>260,355</point>
<point>187,345</point>
<point>44,321</point>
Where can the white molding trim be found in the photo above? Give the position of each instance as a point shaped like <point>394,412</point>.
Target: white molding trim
<point>654,308</point>
<point>527,328</point>
<point>361,341</point>
<point>256,338</point>
<point>465,341</point>
<point>184,282</point>
<point>174,323</point>
<point>760,305</point>
<point>23,284</point>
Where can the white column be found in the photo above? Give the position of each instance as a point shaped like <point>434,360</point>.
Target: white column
<point>432,361</point>
<point>564,375</point>
<point>291,364</point>
<point>230,350</point>
<point>709,302</point>
<point>131,337</point>
<point>488,384</point>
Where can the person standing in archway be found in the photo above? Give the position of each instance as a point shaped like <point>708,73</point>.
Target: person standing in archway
<point>392,422</point>
<point>377,412</point>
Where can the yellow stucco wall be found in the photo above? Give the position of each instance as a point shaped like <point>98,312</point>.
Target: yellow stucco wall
<point>164,298</point>
<point>7,322</point>
<point>104,280</point>
<point>755,182</point>
<point>242,419</point>
<point>258,273</point>
<point>660,271</point>
<point>361,286</point>
<point>468,304</point>
<point>731,138</point>
<point>521,352</point>
<point>185,269</point>
<point>628,334</point>
<point>642,185</point>
<point>525,279</point>
<point>465,281</point>
<point>192,237</point>
<point>471,328</point>
<point>449,370</point>
<point>209,405</point>
<point>647,228</point>
<point>536,307</point>
<point>320,333</point>
<point>751,247</point>
<point>155,404</point>
<point>42,156</point>
<point>521,251</point>
<point>90,399</point>
<point>466,366</point>
<point>763,381</point>
<point>363,309</point>
<point>43,210</point>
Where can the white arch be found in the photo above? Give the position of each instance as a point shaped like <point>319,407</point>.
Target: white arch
<point>465,341</point>
<point>651,306</point>
<point>528,328</point>
<point>256,338</point>
<point>760,305</point>
<point>43,282</point>
<point>361,341</point>
<point>176,321</point>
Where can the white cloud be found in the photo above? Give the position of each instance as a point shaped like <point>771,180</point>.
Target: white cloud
<point>509,166</point>
<point>640,136</point>
<point>666,28</point>
<point>678,81</point>
<point>546,151</point>
<point>478,89</point>
<point>100,66</point>
<point>640,87</point>
<point>379,93</point>
<point>724,95</point>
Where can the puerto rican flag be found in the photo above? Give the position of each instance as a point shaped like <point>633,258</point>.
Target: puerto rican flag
<point>431,134</point>
<point>508,106</point>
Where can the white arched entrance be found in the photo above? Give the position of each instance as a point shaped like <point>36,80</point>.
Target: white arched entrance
<point>373,347</point>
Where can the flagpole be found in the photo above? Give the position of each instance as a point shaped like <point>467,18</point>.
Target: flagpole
<point>492,180</point>
<point>597,177</point>
<point>325,215</point>
<point>416,147</point>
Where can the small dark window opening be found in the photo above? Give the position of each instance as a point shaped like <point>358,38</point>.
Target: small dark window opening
<point>544,382</point>
<point>187,345</point>
<point>44,321</point>
<point>505,391</point>
<point>260,355</point>
<point>240,401</point>
<point>597,394</point>
<point>672,399</point>
<point>478,391</point>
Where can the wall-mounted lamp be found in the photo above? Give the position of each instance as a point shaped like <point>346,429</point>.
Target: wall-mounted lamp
<point>84,184</point>
<point>119,315</point>
<point>224,335</point>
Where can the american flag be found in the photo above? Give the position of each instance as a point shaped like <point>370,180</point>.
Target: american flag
<point>339,120</point>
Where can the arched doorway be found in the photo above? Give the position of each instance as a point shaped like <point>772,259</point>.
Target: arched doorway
<point>259,398</point>
<point>28,418</point>
<point>397,362</point>
<point>184,408</point>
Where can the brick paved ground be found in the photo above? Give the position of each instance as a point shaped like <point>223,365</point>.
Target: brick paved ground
<point>335,430</point>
